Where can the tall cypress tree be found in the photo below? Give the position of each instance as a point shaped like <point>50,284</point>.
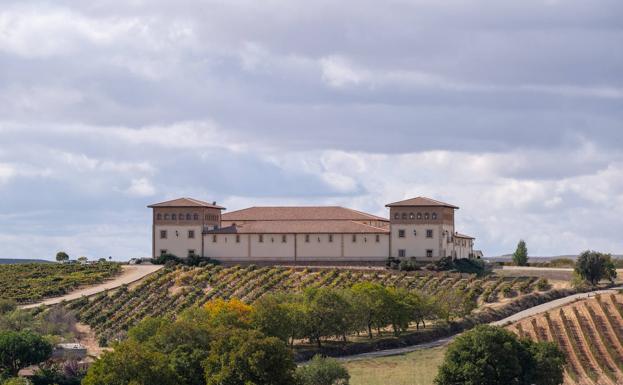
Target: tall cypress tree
<point>520,256</point>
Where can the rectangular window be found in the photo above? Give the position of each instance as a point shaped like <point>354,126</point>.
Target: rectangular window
<point>163,251</point>
<point>261,238</point>
<point>163,234</point>
<point>330,237</point>
<point>173,216</point>
<point>166,217</point>
<point>401,233</point>
<point>307,238</point>
<point>284,239</point>
<point>402,253</point>
<point>214,239</point>
<point>429,253</point>
<point>237,238</point>
<point>191,252</point>
<point>429,233</point>
<point>378,238</point>
<point>191,233</point>
<point>354,238</point>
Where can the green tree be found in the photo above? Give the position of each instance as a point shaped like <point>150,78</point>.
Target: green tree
<point>17,381</point>
<point>422,307</point>
<point>21,349</point>
<point>520,256</point>
<point>131,363</point>
<point>398,309</point>
<point>327,313</point>
<point>592,267</point>
<point>247,357</point>
<point>271,315</point>
<point>368,302</point>
<point>7,306</point>
<point>489,355</point>
<point>322,371</point>
<point>62,256</point>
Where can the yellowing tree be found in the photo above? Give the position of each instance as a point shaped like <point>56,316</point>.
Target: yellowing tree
<point>233,312</point>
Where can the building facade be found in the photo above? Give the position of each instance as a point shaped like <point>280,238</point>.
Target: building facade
<point>418,228</point>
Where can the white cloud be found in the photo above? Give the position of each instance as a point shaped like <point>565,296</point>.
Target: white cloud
<point>339,72</point>
<point>141,187</point>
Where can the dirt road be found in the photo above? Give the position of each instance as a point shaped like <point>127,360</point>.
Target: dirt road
<point>130,273</point>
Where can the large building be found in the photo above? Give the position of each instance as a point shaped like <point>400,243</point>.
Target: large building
<point>419,228</point>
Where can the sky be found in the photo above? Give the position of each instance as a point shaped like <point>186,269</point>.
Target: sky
<point>512,110</point>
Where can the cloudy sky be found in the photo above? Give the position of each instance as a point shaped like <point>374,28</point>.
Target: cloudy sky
<point>511,110</point>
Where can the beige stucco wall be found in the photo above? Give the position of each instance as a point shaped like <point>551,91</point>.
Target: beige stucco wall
<point>272,248</point>
<point>226,248</point>
<point>318,247</point>
<point>463,247</point>
<point>366,247</point>
<point>177,243</point>
<point>416,245</point>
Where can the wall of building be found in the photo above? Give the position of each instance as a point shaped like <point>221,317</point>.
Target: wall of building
<point>318,247</point>
<point>366,247</point>
<point>224,246</point>
<point>272,247</point>
<point>464,247</point>
<point>415,243</point>
<point>177,241</point>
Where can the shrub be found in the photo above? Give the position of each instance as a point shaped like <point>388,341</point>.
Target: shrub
<point>322,371</point>
<point>542,284</point>
<point>408,265</point>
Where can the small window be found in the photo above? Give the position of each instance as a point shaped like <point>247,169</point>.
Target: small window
<point>163,251</point>
<point>173,217</point>
<point>237,238</point>
<point>434,216</point>
<point>426,216</point>
<point>284,238</point>
<point>401,233</point>
<point>163,234</point>
<point>196,217</point>
<point>378,238</point>
<point>411,216</point>
<point>415,233</point>
<point>307,238</point>
<point>181,216</point>
<point>354,238</point>
<point>402,253</point>
<point>158,216</point>
<point>429,253</point>
<point>396,216</point>
<point>188,217</point>
<point>429,233</point>
<point>404,215</point>
<point>191,252</point>
<point>166,217</point>
<point>261,238</point>
<point>330,237</point>
<point>191,234</point>
<point>419,215</point>
<point>214,239</point>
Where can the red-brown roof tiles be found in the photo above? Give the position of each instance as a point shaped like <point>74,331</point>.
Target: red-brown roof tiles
<point>186,202</point>
<point>300,227</point>
<point>300,213</point>
<point>420,201</point>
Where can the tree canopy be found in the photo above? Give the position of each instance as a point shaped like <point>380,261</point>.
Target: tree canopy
<point>520,256</point>
<point>21,349</point>
<point>322,371</point>
<point>62,256</point>
<point>592,267</point>
<point>489,355</point>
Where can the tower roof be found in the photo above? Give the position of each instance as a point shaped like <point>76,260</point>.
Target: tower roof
<point>420,201</point>
<point>187,202</point>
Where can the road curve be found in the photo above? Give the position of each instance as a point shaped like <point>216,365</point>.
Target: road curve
<point>130,273</point>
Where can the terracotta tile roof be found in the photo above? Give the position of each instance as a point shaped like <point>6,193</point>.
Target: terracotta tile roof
<point>300,213</point>
<point>186,202</point>
<point>300,227</point>
<point>459,235</point>
<point>420,201</point>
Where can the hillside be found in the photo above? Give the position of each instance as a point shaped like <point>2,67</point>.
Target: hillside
<point>26,283</point>
<point>590,332</point>
<point>11,261</point>
<point>172,290</point>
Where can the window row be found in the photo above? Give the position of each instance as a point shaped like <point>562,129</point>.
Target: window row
<point>284,238</point>
<point>402,233</point>
<point>402,253</point>
<point>425,216</point>
<point>188,217</point>
<point>164,234</point>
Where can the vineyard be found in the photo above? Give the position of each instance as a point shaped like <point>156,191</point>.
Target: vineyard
<point>31,282</point>
<point>589,332</point>
<point>171,290</point>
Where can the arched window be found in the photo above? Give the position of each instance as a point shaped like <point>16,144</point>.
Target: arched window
<point>404,215</point>
<point>166,217</point>
<point>411,216</point>
<point>434,216</point>
<point>419,215</point>
<point>426,216</point>
<point>396,216</point>
<point>196,217</point>
<point>158,216</point>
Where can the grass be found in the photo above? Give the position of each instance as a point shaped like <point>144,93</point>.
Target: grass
<point>416,368</point>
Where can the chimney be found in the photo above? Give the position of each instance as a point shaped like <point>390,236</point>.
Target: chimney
<point>214,203</point>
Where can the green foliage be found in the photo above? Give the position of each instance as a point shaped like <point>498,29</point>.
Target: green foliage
<point>328,313</point>
<point>62,256</point>
<point>520,256</point>
<point>592,267</point>
<point>246,357</point>
<point>17,381</point>
<point>278,316</point>
<point>7,306</point>
<point>542,284</point>
<point>131,363</point>
<point>30,282</point>
<point>489,355</point>
<point>66,373</point>
<point>322,371</point>
<point>21,349</point>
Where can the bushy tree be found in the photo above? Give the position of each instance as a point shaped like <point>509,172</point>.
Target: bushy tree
<point>21,349</point>
<point>368,301</point>
<point>231,313</point>
<point>520,256</point>
<point>131,363</point>
<point>247,357</point>
<point>322,371</point>
<point>489,355</point>
<point>328,313</point>
<point>278,316</point>
<point>62,256</point>
<point>592,267</point>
